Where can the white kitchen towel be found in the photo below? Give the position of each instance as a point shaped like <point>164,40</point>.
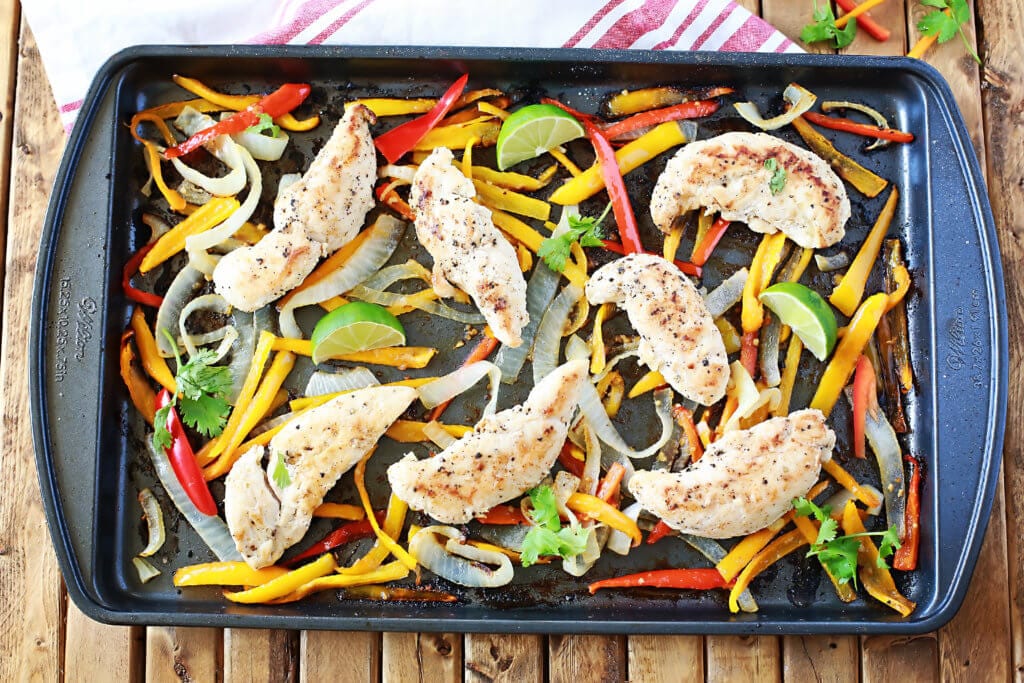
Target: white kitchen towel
<point>76,37</point>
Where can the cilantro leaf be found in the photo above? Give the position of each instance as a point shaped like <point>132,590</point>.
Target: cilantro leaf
<point>824,28</point>
<point>583,229</point>
<point>938,24</point>
<point>161,437</point>
<point>941,4</point>
<point>545,508</point>
<point>566,542</point>
<point>778,180</point>
<point>202,392</point>
<point>890,543</point>
<point>266,124</point>
<point>839,557</point>
<point>827,532</point>
<point>806,508</point>
<point>198,377</point>
<point>280,472</point>
<point>946,26</point>
<point>207,414</point>
<point>961,11</point>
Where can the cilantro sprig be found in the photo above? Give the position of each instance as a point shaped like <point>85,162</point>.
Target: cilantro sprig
<point>266,124</point>
<point>945,26</point>
<point>824,27</point>
<point>548,536</point>
<point>202,395</point>
<point>583,229</point>
<point>839,553</point>
<point>778,180</point>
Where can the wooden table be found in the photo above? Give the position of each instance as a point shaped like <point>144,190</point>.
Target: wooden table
<point>46,638</point>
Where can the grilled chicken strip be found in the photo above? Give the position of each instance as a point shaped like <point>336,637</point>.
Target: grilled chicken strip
<point>678,337</point>
<point>727,174</point>
<point>467,249</point>
<point>745,480</point>
<point>313,217</point>
<point>316,448</point>
<point>506,455</point>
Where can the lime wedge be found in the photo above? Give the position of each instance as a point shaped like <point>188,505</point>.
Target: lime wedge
<point>806,313</point>
<point>356,326</point>
<point>532,131</point>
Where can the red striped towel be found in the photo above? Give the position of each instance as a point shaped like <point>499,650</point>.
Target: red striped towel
<point>71,53</point>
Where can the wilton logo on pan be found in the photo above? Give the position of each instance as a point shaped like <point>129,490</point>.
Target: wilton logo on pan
<point>84,322</point>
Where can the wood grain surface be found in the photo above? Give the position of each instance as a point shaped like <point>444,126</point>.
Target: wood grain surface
<point>51,641</point>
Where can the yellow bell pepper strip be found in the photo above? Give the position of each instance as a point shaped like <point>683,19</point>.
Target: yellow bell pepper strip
<point>255,411</point>
<point>394,571</point>
<point>488,108</point>
<point>847,295</point>
<point>595,508</point>
<point>772,553</point>
<point>141,393</point>
<point>174,199</point>
<point>410,431</point>
<point>226,574</point>
<point>809,528</point>
<point>730,335</point>
<point>467,158</point>
<point>598,358</point>
<point>326,267</point>
<point>561,157</point>
<point>514,181</point>
<point>861,178</point>
<point>209,215</point>
<point>485,128</point>
<point>766,259</point>
<point>152,361</point>
<point>844,359</point>
<point>495,197</point>
<point>149,116</point>
<point>401,357</point>
<point>300,404</point>
<point>857,11</point>
<point>171,110</point>
<point>575,271</point>
<point>285,584</point>
<point>339,511</point>
<point>793,351</point>
<point>394,520</point>
<point>902,281</point>
<point>704,221</point>
<point>394,106</point>
<point>629,157</point>
<point>240,102</point>
<point>672,240</point>
<point>611,389</point>
<point>877,580</point>
<point>400,553</point>
<point>846,480</point>
<point>635,101</point>
<point>649,382</point>
<point>517,229</point>
<point>510,554</point>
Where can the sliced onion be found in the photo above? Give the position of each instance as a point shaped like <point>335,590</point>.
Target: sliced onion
<point>748,397</point>
<point>458,562</point>
<point>800,100</point>
<point>260,146</point>
<point>193,194</point>
<point>768,352</point>
<point>540,291</point>
<point>270,423</point>
<point>726,295</point>
<point>578,565</point>
<point>714,552</point>
<point>565,484</point>
<point>597,418</point>
<point>509,536</point>
<point>214,303</point>
<point>438,434</point>
<point>592,463</point>
<point>286,181</point>
<point>451,385</point>
<point>322,383</point>
<point>875,115</point>
<point>576,349</point>
<point>210,528</point>
<point>837,501</point>
<point>384,237</point>
<point>629,350</point>
<point>157,226</point>
<point>223,147</point>
<point>154,522</point>
<point>385,277</point>
<point>406,173</point>
<point>882,439</point>
<point>437,308</point>
<point>145,569</point>
<point>549,334</point>
<point>182,290</point>
<point>827,264</point>
<point>249,325</point>
<point>619,543</point>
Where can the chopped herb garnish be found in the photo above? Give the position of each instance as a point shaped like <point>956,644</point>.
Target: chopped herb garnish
<point>583,229</point>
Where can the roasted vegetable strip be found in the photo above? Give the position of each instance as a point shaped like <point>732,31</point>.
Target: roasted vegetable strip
<point>775,551</point>
<point>846,480</point>
<point>625,219</point>
<point>394,519</point>
<point>861,178</point>
<point>844,360</point>
<point>596,509</point>
<point>647,119</point>
<point>239,102</point>
<point>386,540</point>
<point>633,101</point>
<point>847,295</point>
<point>153,363</point>
<point>809,528</point>
<point>685,579</point>
<point>346,533</point>
<point>226,574</point>
<point>183,460</point>
<point>209,215</point>
<point>863,129</point>
<point>906,557</point>
<point>707,242</point>
<point>131,267</point>
<point>877,580</point>
<point>139,390</point>
<point>286,583</point>
<point>394,571</point>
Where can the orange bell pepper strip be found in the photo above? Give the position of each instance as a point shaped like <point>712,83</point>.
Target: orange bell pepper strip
<point>608,491</point>
<point>339,511</point>
<point>141,393</point>
<point>906,557</point>
<point>481,351</point>
<point>848,293</point>
<point>877,580</point>
<point>595,508</point>
<point>152,361</point>
<point>772,553</point>
<point>703,248</point>
<point>861,178</point>
<point>846,480</point>
<point>809,528</point>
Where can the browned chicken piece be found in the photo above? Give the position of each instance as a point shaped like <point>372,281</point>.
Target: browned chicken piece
<point>308,456</point>
<point>727,174</point>
<point>468,250</point>
<point>678,336</point>
<point>506,454</point>
<point>745,480</point>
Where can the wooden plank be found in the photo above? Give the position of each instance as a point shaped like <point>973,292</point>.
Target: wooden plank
<point>30,588</point>
<point>174,654</point>
<point>891,15</point>
<point>790,17</point>
<point>422,657</point>
<point>743,658</point>
<point>10,22</point>
<point>753,5</point>
<point>339,656</point>
<point>504,658</point>
<point>260,656</point>
<point>666,659</point>
<point>897,658</point>
<point>827,659</point>
<point>95,652</point>
<point>580,659</point>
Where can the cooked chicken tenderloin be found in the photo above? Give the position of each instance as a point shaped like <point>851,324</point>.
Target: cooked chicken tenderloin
<point>468,250</point>
<point>678,336</point>
<point>506,454</point>
<point>727,174</point>
<point>745,480</point>
<point>316,448</point>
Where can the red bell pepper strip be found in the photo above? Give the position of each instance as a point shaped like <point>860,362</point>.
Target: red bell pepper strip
<point>277,103</point>
<point>130,269</point>
<point>504,515</point>
<point>482,351</point>
<point>608,491</point>
<point>660,531</point>
<point>647,119</point>
<point>906,557</point>
<point>702,252</point>
<point>183,460</point>
<point>870,26</point>
<point>401,139</point>
<point>684,266</point>
<point>568,110</point>
<point>748,352</point>
<point>571,463</point>
<point>864,129</point>
<point>865,398</point>
<point>625,219</point>
<point>691,579</point>
<point>346,533</point>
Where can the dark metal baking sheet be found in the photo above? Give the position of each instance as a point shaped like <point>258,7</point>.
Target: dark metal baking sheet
<point>87,445</point>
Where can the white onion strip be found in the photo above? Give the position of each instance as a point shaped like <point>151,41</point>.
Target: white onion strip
<point>594,412</point>
<point>451,385</point>
<point>322,383</point>
<point>145,569</point>
<point>726,295</point>
<point>549,334</point>
<point>375,296</point>
<point>619,543</point>
<point>154,522</point>
<point>438,435</point>
<point>208,302</point>
<point>800,100</point>
<point>540,290</point>
<point>457,562</point>
<point>260,146</point>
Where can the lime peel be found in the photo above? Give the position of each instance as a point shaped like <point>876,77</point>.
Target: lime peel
<point>355,326</point>
<point>534,130</point>
<point>808,315</point>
